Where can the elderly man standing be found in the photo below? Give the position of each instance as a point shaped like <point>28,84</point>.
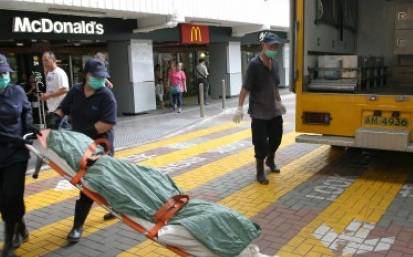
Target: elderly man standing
<point>265,108</point>
<point>57,83</point>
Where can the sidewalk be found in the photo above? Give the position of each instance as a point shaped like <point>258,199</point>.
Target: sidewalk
<point>133,130</point>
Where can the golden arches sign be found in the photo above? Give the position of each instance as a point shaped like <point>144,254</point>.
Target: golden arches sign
<point>196,35</point>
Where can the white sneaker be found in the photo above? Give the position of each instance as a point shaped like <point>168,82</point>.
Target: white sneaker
<point>179,110</point>
<point>174,107</point>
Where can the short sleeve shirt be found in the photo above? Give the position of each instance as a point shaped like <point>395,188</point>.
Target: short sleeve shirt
<point>177,78</point>
<point>262,83</point>
<point>55,80</point>
<point>86,111</point>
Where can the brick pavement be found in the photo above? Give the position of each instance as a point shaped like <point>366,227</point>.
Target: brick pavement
<point>324,203</point>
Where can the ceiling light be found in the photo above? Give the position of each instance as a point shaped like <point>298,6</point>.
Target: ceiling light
<point>19,44</point>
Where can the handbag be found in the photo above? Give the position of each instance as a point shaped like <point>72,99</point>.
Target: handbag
<point>175,89</point>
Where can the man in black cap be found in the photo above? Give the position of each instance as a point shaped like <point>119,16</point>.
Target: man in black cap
<point>15,121</point>
<point>92,107</point>
<point>265,108</point>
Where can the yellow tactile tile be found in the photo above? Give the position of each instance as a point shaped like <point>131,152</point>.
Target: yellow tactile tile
<point>176,139</point>
<point>210,171</point>
<point>53,236</point>
<point>47,198</point>
<point>179,155</point>
<point>366,200</point>
<point>255,198</point>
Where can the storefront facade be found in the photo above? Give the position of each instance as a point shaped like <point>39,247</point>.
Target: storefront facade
<point>132,51</point>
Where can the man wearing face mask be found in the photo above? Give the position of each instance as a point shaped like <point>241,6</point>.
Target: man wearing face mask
<point>15,121</point>
<point>265,107</point>
<point>92,107</point>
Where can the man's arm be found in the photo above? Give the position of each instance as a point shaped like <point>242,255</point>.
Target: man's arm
<point>102,127</point>
<point>277,94</point>
<point>242,95</point>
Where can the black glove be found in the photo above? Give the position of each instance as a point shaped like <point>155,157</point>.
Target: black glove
<point>14,140</point>
<point>91,132</point>
<point>53,120</point>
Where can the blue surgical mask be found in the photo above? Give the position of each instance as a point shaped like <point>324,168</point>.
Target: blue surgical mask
<point>4,80</point>
<point>96,83</point>
<point>271,53</point>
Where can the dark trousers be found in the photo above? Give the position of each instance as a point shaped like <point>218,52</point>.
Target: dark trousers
<point>206,89</point>
<point>177,99</point>
<point>84,202</point>
<point>12,180</point>
<point>266,136</point>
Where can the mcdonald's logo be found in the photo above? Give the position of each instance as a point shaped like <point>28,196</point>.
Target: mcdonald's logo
<point>194,34</point>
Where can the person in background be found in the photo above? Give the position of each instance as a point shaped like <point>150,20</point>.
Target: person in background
<point>15,121</point>
<point>92,107</point>
<point>159,85</point>
<point>265,107</point>
<point>202,74</point>
<point>57,82</point>
<point>31,93</point>
<point>182,84</point>
<point>177,85</point>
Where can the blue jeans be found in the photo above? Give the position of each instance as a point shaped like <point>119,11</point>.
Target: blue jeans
<point>177,99</point>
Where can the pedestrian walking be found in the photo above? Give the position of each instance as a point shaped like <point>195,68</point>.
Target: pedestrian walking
<point>177,85</point>
<point>265,107</point>
<point>92,107</point>
<point>15,120</point>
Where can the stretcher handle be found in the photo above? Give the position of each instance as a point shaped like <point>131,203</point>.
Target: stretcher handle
<point>40,159</point>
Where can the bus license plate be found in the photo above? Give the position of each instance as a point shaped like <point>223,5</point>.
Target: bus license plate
<point>379,121</point>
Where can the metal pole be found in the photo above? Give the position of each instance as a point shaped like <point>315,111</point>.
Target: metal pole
<point>201,99</point>
<point>224,94</point>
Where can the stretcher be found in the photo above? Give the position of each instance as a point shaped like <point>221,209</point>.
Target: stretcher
<point>174,237</point>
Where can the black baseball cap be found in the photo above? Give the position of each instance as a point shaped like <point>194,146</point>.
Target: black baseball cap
<point>97,68</point>
<point>271,38</point>
<point>4,64</point>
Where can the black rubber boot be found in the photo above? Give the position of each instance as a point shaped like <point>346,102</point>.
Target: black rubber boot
<point>81,212</point>
<point>261,178</point>
<point>21,236</point>
<point>109,216</point>
<point>10,230</point>
<point>271,164</point>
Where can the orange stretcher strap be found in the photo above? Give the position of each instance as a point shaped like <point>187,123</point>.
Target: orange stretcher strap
<point>87,156</point>
<point>167,212</point>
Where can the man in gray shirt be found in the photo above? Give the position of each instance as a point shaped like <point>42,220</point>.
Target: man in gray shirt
<point>265,108</point>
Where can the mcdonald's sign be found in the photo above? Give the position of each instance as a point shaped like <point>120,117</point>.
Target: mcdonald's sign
<point>194,34</point>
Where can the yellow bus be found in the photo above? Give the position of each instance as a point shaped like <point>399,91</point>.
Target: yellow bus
<point>353,72</point>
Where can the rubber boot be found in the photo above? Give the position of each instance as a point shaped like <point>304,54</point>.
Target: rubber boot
<point>21,236</point>
<point>271,164</point>
<point>10,230</point>
<point>109,216</point>
<point>261,178</point>
<point>81,212</point>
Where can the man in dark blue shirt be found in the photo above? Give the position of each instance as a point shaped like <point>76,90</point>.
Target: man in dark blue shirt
<point>265,108</point>
<point>92,108</point>
<point>15,120</point>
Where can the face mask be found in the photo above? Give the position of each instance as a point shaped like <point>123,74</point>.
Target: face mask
<point>271,54</point>
<point>96,83</point>
<point>4,80</point>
